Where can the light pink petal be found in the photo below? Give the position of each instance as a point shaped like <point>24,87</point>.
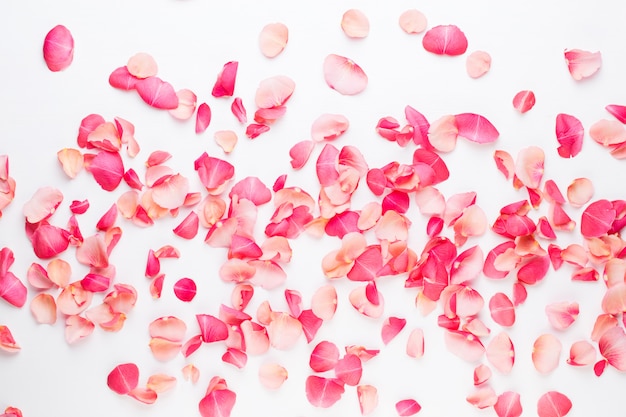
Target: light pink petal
<point>608,132</point>
<point>324,302</point>
<point>508,405</point>
<point>323,392</point>
<point>251,188</point>
<point>58,48</point>
<point>37,277</point>
<point>443,133</point>
<point>324,357</point>
<point>236,270</point>
<point>272,375</point>
<point>618,111</point>
<point>273,39</point>
<point>612,346</point>
<point>107,169</point>
<point>168,328</point>
<point>77,328</point>
<point>582,64</point>
<point>476,128</point>
<point>391,327</point>
<point>529,166</point>
<point>185,289</point>
<point>268,274</point>
<point>123,378</point>
<point>366,265</point>
<point>582,353</point>
<point>157,93</point>
<point>524,101</point>
<point>445,40</point>
<point>614,300</point>
<point>329,127</point>
<point>408,407</point>
<point>300,153</point>
<point>235,357</point>
<point>430,201</point>
<point>597,219</point>
<point>44,309</point>
<point>355,24</point>
<point>171,192</point>
<point>225,83</point>
<point>187,100</point>
<point>502,310</point>
<point>49,241</point>
<point>464,345</point>
<point>478,64</point>
<point>412,21</point>
<point>203,118</point>
<point>415,344</point>
<point>483,397</point>
<point>362,303</point>
<point>505,164</point>
<point>142,65</point>
<point>368,398</point>
<point>344,75</point>
<point>579,192</point>
<point>553,404</point>
<point>42,204</point>
<point>467,265</point>
<point>570,133</point>
<point>284,331</point>
<point>500,353</point>
<point>217,403</point>
<point>546,353</point>
<point>562,315</point>
<point>144,395</point>
<point>226,139</point>
<point>274,92</point>
<point>93,252</point>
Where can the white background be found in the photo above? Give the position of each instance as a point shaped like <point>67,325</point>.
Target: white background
<point>191,40</point>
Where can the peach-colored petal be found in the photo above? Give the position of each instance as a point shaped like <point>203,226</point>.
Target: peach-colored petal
<point>524,101</point>
<point>500,353</point>
<point>443,133</point>
<point>478,64</point>
<point>579,192</point>
<point>77,328</point>
<point>329,127</point>
<point>582,64</point>
<point>272,375</point>
<point>273,39</point>
<point>483,397</point>
<point>582,353</point>
<point>171,192</point>
<point>284,331</point>
<point>142,65</point>
<point>71,161</point>
<point>7,342</point>
<point>344,75</point>
<point>349,369</point>
<point>608,132</point>
<point>546,353</point>
<point>203,117</point>
<point>274,92</point>
<point>415,344</point>
<point>355,24</point>
<point>368,398</point>
<point>164,350</point>
<point>482,373</point>
<point>58,48</point>
<point>529,166</point>
<point>42,204</point>
<point>93,252</point>
<point>225,84</point>
<point>226,139</point>
<point>324,302</point>
<point>44,309</point>
<point>614,300</point>
<point>187,100</point>
<point>74,299</point>
<point>412,21</point>
<point>255,336</point>
<point>361,302</point>
<point>160,383</point>
<point>445,40</point>
<point>169,328</point>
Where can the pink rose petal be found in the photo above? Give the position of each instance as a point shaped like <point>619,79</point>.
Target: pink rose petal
<point>445,40</point>
<point>217,403</point>
<point>508,405</point>
<point>553,404</point>
<point>582,64</point>
<point>355,24</point>
<point>323,392</point>
<point>570,134</point>
<point>478,64</point>
<point>524,101</point>
<point>225,83</point>
<point>123,378</point>
<point>58,48</point>
<point>272,375</point>
<point>476,128</point>
<point>408,407</point>
<point>412,21</point>
<point>344,75</point>
<point>157,93</point>
<point>273,39</point>
<point>546,353</point>
<point>7,342</point>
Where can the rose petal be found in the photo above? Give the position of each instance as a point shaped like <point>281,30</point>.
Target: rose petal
<point>273,39</point>
<point>225,83</point>
<point>123,378</point>
<point>157,93</point>
<point>58,48</point>
<point>412,21</point>
<point>582,64</point>
<point>570,134</point>
<point>478,64</point>
<point>344,75</point>
<point>355,24</point>
<point>445,40</point>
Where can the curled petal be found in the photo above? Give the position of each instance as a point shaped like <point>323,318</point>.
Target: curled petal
<point>618,111</point>
<point>273,39</point>
<point>582,64</point>
<point>344,75</point>
<point>58,48</point>
<point>464,345</point>
<point>482,398</point>
<point>7,342</point>
<point>445,40</point>
<point>355,24</point>
<point>225,83</point>
<point>570,134</point>
<point>168,328</point>
<point>415,344</point>
<point>300,153</point>
<point>324,357</point>
<point>478,64</point>
<point>391,327</point>
<point>500,353</point>
<point>582,353</point>
<point>368,398</point>
<point>77,328</point>
<point>186,105</point>
<point>71,161</point>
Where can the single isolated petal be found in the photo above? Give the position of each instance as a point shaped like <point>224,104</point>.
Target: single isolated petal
<point>273,39</point>
<point>445,40</point>
<point>582,353</point>
<point>553,404</point>
<point>123,378</point>
<point>355,24</point>
<point>344,75</point>
<point>464,345</point>
<point>169,328</point>
<point>42,204</point>
<point>107,169</point>
<point>618,111</point>
<point>44,309</point>
<point>408,407</point>
<point>272,375</point>
<point>415,344</point>
<point>546,353</point>
<point>562,315</point>
<point>324,357</point>
<point>7,342</point>
<point>529,166</point>
<point>502,309</point>
<point>524,101</point>
<point>226,139</point>
<point>579,192</point>
<point>508,405</point>
<point>412,21</point>
<point>476,128</point>
<point>582,64</point>
<point>570,133</point>
<point>478,64</point>
<point>185,289</point>
<point>157,93</point>
<point>58,48</point>
<point>368,398</point>
<point>500,353</point>
<point>225,83</point>
<point>203,117</point>
<point>323,392</point>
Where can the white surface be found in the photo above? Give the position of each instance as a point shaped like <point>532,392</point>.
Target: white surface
<point>191,40</point>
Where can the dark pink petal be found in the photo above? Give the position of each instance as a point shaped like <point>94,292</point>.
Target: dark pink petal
<point>251,188</point>
<point>122,79</point>
<point>185,289</point>
<point>524,101</point>
<point>597,219</point>
<point>397,201</point>
<point>570,133</point>
<point>323,392</point>
<point>324,357</point>
<point>188,228</point>
<point>508,405</point>
<point>553,404</point>
<point>502,310</point>
<point>310,324</point>
<point>612,346</point>
<point>49,241</point>
<point>546,353</point>
<point>107,169</point>
<point>12,290</point>
<point>500,353</point>
<point>608,132</point>
<point>391,327</point>
<point>534,270</point>
<point>213,172</point>
<point>582,64</point>
<point>217,403</point>
<point>368,398</point>
<point>618,111</point>
<point>157,93</point>
<point>366,265</point>
<point>344,75</point>
<point>407,407</point>
<point>58,48</point>
<point>123,378</point>
<point>7,342</point>
<point>203,117</point>
<point>212,328</point>
<point>464,345</point>
<point>225,83</point>
<point>355,24</point>
<point>476,128</point>
<point>434,161</point>
<point>300,153</point>
<point>96,282</point>
<point>445,40</point>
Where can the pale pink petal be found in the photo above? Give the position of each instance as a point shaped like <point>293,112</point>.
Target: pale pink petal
<point>612,346</point>
<point>366,265</point>
<point>478,64</point>
<point>415,344</point>
<point>268,274</point>
<point>443,133</point>
<point>168,328</point>
<point>93,252</point>
<point>323,392</point>
<point>467,266</point>
<point>324,302</point>
<point>300,153</point>
<point>58,48</point>
<point>272,375</point>
<point>482,373</point>
<point>407,407</point>
<point>502,310</point>
<point>236,270</point>
<point>597,219</point>
<point>107,169</point>
<point>391,327</point>
<point>49,241</point>
<point>122,299</point>
<point>614,300</point>
<point>500,353</point>
<point>185,289</point>
<point>412,21</point>
<point>368,398</point>
<point>562,315</point>
<point>464,345</point>
<point>284,331</point>
<point>344,75</point>
<point>445,40</point>
<point>546,353</point>
<point>164,350</point>
<point>570,133</point>
<point>355,24</point>
<point>157,93</point>
<point>582,64</point>
<point>171,192</point>
<point>582,353</point>
<point>553,404</point>
<point>187,100</point>
<point>475,128</point>
<point>226,139</point>
<point>483,397</point>
<point>273,39</point>
<point>203,117</point>
<point>77,328</point>
<point>225,83</point>
<point>42,204</point>
<point>529,166</point>
<point>508,405</point>
<point>360,301</point>
<point>144,395</point>
<point>142,65</point>
<point>123,378</point>
<point>524,101</point>
<point>274,92</point>
<point>217,403</point>
<point>329,127</point>
<point>252,189</point>
<point>608,132</point>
